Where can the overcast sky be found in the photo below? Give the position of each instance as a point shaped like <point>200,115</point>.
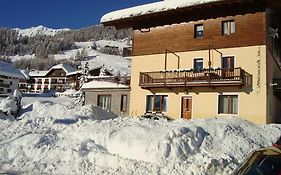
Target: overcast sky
<point>59,13</point>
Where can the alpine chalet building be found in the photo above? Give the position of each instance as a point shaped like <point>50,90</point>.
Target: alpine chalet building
<point>205,58</point>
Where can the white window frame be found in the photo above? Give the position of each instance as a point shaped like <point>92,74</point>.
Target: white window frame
<point>228,22</point>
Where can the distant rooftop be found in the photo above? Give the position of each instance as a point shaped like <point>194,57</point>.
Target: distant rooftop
<point>9,70</point>
<point>103,85</point>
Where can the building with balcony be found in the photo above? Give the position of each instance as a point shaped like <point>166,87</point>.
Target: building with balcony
<point>58,78</point>
<point>198,59</point>
<point>9,78</point>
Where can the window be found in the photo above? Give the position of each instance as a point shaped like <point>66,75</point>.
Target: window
<point>228,62</point>
<point>123,103</point>
<point>104,101</point>
<point>198,64</point>
<point>198,31</point>
<point>228,104</point>
<point>228,27</point>
<point>156,103</point>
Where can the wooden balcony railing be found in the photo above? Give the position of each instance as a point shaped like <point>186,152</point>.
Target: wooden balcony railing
<point>184,78</point>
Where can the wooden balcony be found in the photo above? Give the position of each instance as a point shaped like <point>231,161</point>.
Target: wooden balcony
<point>193,78</point>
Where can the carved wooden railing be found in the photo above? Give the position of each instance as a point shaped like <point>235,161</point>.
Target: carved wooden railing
<point>181,78</point>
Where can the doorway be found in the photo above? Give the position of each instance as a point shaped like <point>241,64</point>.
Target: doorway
<point>186,107</point>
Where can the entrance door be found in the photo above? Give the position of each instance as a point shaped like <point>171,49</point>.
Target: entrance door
<point>186,107</point>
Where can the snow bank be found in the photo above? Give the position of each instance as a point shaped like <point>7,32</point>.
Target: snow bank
<point>54,138</point>
<point>8,106</point>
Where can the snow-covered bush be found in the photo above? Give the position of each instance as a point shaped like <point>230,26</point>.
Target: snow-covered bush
<point>9,106</point>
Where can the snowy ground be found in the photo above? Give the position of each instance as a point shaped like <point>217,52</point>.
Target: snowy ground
<point>59,137</point>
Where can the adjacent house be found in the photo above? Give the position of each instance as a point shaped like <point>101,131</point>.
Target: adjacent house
<point>108,95</point>
<point>9,78</point>
<point>198,59</point>
<point>59,78</point>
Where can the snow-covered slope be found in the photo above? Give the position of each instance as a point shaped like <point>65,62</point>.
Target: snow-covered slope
<point>39,30</point>
<point>53,138</point>
<point>114,63</point>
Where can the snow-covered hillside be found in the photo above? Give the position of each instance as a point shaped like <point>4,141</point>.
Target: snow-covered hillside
<point>114,63</point>
<point>39,30</point>
<point>63,138</point>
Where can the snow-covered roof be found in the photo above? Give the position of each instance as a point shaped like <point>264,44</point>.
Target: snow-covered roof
<point>8,70</point>
<point>103,85</point>
<point>66,67</point>
<point>69,70</point>
<point>25,74</point>
<point>35,73</point>
<point>74,73</point>
<point>152,8</point>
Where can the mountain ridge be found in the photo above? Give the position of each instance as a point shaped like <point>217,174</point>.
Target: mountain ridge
<point>39,30</point>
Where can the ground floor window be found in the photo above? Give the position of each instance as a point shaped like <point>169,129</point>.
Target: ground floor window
<point>104,101</point>
<point>156,103</point>
<point>228,104</point>
<point>123,103</point>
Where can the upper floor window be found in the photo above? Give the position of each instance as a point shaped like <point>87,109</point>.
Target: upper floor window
<point>228,27</point>
<point>198,31</point>
<point>198,64</point>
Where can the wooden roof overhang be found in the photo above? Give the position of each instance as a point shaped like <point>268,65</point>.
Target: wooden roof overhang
<point>191,13</point>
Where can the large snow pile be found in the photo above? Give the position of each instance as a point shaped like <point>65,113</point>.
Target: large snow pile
<point>54,138</point>
<point>8,105</point>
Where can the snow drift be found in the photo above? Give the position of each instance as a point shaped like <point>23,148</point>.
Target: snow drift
<point>54,138</point>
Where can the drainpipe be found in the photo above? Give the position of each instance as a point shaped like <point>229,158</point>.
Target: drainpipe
<point>166,52</point>
<point>209,64</point>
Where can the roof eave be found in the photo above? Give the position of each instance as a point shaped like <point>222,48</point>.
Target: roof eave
<point>180,15</point>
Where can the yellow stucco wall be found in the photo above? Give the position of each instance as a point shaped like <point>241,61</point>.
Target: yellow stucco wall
<point>252,101</point>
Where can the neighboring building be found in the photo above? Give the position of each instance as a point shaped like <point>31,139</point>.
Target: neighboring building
<point>9,78</point>
<point>198,59</point>
<point>25,83</point>
<point>108,95</point>
<point>127,51</point>
<point>59,78</point>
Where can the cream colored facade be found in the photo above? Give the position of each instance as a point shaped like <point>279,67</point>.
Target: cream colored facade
<point>256,103</point>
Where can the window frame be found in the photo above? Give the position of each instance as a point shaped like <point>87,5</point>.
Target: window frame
<point>123,108</point>
<point>228,32</point>
<point>196,31</point>
<point>195,59</point>
<point>154,109</point>
<point>104,102</point>
<point>218,104</point>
